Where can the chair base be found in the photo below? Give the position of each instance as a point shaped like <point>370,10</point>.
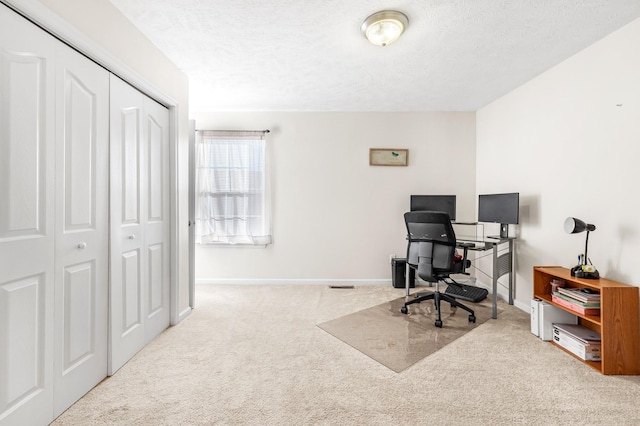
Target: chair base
<point>437,297</point>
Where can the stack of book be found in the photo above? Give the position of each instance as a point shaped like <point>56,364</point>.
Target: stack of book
<point>577,300</point>
<point>580,341</point>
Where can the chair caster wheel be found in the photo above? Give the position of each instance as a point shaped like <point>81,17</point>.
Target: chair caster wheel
<point>472,318</point>
<point>404,310</point>
<point>439,323</point>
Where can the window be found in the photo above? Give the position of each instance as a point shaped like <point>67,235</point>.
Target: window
<point>232,200</point>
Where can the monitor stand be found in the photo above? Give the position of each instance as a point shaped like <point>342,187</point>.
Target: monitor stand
<point>504,230</point>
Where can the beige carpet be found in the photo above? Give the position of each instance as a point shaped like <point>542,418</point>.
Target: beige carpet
<point>254,355</point>
<point>398,341</point>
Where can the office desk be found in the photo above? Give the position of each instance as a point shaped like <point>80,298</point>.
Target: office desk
<point>502,264</point>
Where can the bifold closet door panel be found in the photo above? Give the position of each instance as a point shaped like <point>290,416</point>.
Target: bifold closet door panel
<point>128,208</point>
<point>27,140</point>
<point>156,235</point>
<point>82,227</point>
<point>140,220</point>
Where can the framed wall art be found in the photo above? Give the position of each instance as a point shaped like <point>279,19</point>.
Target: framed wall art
<point>388,157</point>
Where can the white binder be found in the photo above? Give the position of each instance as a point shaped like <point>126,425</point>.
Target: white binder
<point>548,315</point>
<point>535,321</point>
<point>544,315</point>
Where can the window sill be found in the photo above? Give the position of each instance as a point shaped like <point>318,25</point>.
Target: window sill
<point>231,246</point>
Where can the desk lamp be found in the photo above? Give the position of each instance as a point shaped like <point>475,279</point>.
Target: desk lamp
<point>582,270</point>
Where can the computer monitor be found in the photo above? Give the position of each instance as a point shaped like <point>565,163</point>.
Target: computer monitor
<point>436,203</point>
<point>499,208</point>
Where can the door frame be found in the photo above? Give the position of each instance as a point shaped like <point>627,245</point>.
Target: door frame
<point>192,213</point>
<point>42,16</point>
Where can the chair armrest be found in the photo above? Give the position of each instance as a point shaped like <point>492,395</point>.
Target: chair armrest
<point>465,251</point>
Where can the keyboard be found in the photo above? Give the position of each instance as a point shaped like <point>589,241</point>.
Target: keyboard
<point>467,292</point>
<point>471,243</point>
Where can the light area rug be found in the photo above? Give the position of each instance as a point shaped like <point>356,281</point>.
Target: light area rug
<point>398,341</point>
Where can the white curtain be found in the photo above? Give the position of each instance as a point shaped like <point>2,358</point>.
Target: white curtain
<point>232,188</point>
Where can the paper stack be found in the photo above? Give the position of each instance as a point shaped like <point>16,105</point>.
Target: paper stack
<point>580,341</point>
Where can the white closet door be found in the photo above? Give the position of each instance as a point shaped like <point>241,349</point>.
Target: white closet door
<point>27,140</point>
<point>157,220</point>
<point>128,183</point>
<point>82,227</point>
<point>139,221</point>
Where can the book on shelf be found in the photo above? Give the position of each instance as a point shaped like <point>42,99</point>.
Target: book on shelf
<point>578,294</point>
<point>594,304</point>
<point>574,307</point>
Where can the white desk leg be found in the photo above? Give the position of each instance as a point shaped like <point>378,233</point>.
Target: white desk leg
<point>494,311</point>
<point>512,273</point>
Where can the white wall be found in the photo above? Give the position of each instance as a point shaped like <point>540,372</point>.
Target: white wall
<point>335,218</point>
<point>113,35</point>
<point>569,142</point>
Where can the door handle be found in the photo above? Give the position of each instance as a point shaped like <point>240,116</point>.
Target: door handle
<point>132,236</point>
<point>82,245</point>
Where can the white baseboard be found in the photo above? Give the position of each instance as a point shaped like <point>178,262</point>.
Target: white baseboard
<point>505,297</point>
<point>293,281</point>
<point>185,313</point>
<point>522,306</point>
<point>330,281</point>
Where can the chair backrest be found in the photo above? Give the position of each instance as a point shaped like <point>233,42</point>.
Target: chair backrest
<point>431,244</point>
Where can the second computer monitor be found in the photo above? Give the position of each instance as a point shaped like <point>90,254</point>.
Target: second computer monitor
<point>500,208</point>
<point>438,203</point>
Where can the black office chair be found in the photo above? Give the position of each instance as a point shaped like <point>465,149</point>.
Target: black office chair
<point>431,250</point>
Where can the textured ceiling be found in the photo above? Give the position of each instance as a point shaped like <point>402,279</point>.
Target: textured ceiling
<point>309,55</point>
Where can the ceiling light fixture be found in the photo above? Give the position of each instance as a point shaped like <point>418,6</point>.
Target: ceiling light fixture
<point>384,27</point>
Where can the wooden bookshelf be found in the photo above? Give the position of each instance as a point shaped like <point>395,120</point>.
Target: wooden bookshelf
<point>618,322</point>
